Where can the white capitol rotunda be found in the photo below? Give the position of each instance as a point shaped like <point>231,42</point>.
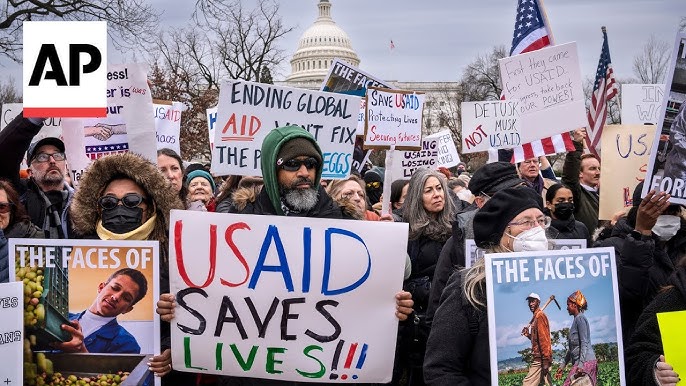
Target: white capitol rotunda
<point>324,41</point>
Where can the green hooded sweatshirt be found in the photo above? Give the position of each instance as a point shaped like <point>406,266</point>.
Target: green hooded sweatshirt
<point>268,157</point>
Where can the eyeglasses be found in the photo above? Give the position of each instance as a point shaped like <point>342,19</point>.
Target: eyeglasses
<point>543,222</point>
<point>293,164</point>
<point>374,185</point>
<point>130,200</point>
<point>348,195</point>
<point>45,157</point>
<point>5,207</point>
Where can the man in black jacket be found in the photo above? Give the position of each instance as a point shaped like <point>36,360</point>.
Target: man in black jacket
<point>45,194</point>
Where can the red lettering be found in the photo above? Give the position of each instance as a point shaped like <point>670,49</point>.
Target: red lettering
<point>228,235</point>
<point>178,248</point>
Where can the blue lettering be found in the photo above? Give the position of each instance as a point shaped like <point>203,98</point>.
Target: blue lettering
<point>327,262</point>
<point>272,233</point>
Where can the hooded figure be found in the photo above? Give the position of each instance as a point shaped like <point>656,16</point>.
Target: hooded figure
<point>374,184</point>
<point>280,146</point>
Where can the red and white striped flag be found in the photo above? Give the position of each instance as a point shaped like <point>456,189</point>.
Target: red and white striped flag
<point>531,32</point>
<point>604,89</point>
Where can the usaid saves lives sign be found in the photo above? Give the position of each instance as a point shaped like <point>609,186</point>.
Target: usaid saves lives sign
<point>65,68</point>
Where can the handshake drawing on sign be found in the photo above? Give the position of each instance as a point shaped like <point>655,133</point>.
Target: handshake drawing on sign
<point>103,131</point>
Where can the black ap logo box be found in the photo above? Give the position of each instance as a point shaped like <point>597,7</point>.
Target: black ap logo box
<point>65,68</point>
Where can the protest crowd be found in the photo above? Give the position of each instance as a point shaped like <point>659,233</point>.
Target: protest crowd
<point>458,219</point>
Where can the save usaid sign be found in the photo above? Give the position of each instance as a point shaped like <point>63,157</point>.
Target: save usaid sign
<point>65,68</point>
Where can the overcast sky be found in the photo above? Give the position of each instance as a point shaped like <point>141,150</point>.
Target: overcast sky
<point>435,39</point>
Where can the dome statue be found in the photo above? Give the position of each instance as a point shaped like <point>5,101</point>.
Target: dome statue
<point>322,42</point>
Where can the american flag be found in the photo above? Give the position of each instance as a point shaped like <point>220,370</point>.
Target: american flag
<point>604,89</point>
<point>530,34</point>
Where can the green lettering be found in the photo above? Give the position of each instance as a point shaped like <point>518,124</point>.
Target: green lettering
<point>271,361</point>
<point>218,355</point>
<point>245,365</point>
<point>187,354</point>
<point>322,368</point>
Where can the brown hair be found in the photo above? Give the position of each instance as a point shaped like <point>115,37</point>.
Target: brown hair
<point>587,156</point>
<point>17,210</point>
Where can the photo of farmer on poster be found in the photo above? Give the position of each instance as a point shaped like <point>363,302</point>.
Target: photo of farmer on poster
<point>553,318</point>
<point>89,309</point>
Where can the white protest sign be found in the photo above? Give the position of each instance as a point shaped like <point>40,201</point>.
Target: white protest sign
<point>393,118</point>
<point>473,252</point>
<point>641,103</point>
<point>667,166</point>
<point>12,332</point>
<point>447,152</point>
<point>168,125</point>
<point>247,111</point>
<point>626,151</point>
<point>129,125</point>
<point>548,84</point>
<point>490,125</point>
<point>553,276</point>
<point>65,68</point>
<point>344,78</point>
<point>211,121</point>
<point>406,162</point>
<point>282,297</point>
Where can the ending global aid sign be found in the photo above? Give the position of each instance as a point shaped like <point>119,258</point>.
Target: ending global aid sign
<point>65,69</point>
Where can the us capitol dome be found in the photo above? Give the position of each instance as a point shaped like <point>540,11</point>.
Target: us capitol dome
<point>319,45</point>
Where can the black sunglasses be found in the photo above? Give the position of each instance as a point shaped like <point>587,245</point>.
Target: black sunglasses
<point>130,200</point>
<point>5,207</point>
<point>293,165</point>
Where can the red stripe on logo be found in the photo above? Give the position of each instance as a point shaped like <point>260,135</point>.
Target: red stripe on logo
<point>65,112</point>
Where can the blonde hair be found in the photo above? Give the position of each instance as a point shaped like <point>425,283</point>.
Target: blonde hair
<point>334,190</point>
<point>474,288</point>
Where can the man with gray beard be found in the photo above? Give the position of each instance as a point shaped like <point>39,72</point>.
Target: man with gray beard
<point>292,166</point>
<point>45,194</point>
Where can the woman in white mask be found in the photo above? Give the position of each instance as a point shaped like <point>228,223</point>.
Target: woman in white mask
<point>457,351</point>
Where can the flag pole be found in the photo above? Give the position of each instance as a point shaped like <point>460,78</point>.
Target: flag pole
<point>546,22</point>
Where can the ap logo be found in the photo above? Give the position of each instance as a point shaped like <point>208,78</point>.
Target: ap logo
<point>65,68</point>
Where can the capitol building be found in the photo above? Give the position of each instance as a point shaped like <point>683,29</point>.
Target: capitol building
<point>324,41</point>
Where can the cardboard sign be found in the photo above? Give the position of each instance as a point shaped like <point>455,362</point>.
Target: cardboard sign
<point>511,277</point>
<point>548,84</point>
<point>406,162</point>
<point>282,297</point>
<point>344,78</point>
<point>447,152</point>
<point>11,332</point>
<point>248,111</point>
<point>626,151</point>
<point>641,103</point>
<point>490,125</point>
<point>667,167</point>
<point>168,125</point>
<point>81,271</point>
<point>473,252</point>
<point>129,125</point>
<point>211,124</point>
<point>672,334</point>
<point>393,118</point>
<point>65,68</point>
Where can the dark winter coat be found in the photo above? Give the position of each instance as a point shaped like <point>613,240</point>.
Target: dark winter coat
<point>23,229</point>
<point>15,140</point>
<point>457,352</point>
<point>645,346</point>
<point>570,228</point>
<point>643,267</point>
<point>585,202</point>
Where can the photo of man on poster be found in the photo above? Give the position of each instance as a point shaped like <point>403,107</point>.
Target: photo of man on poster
<point>538,332</point>
<point>96,329</point>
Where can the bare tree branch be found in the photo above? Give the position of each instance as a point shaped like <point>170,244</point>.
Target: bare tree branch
<point>650,66</point>
<point>130,22</point>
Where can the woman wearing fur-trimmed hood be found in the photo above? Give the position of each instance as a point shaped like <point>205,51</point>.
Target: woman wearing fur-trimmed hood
<point>86,209</point>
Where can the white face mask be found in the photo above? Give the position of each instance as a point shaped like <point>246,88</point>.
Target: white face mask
<point>533,239</point>
<point>667,226</point>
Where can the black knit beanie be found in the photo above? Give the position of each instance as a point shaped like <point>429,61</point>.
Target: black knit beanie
<point>491,220</point>
<point>298,147</point>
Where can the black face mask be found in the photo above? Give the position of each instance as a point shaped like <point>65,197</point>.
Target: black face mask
<point>122,219</point>
<point>564,210</point>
